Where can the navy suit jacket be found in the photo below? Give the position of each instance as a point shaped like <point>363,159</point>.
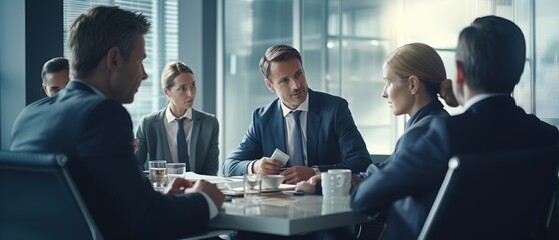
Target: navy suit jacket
<point>408,185</point>
<point>333,140</point>
<point>415,129</point>
<point>204,151</point>
<point>96,134</point>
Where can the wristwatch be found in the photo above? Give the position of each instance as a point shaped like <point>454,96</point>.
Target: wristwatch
<point>316,170</point>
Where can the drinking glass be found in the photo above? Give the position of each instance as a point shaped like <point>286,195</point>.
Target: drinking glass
<point>175,170</point>
<point>158,174</point>
<point>252,186</point>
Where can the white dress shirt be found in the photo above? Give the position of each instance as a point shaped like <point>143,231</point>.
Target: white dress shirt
<point>289,126</point>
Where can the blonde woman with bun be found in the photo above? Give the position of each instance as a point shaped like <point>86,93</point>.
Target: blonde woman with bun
<point>415,79</point>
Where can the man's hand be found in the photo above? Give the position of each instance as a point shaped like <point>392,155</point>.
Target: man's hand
<point>210,189</point>
<point>135,144</point>
<point>296,174</point>
<point>308,186</point>
<point>179,185</point>
<point>266,166</point>
<point>314,179</point>
<point>304,186</point>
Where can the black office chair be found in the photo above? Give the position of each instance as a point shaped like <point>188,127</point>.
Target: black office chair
<point>39,200</point>
<point>501,195</point>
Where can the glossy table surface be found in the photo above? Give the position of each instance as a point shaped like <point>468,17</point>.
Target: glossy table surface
<point>282,214</point>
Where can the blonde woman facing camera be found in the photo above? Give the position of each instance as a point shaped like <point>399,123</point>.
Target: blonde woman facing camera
<point>178,132</point>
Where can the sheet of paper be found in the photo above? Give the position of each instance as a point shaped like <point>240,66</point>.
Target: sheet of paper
<point>213,179</point>
<point>280,156</point>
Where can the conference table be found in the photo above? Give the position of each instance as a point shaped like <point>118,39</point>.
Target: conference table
<point>279,212</point>
<point>282,214</point>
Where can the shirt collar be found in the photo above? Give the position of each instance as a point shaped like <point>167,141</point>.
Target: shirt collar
<point>170,117</point>
<point>477,98</point>
<point>95,90</point>
<point>304,106</point>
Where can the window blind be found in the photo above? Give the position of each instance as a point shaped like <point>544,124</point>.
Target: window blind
<point>161,45</point>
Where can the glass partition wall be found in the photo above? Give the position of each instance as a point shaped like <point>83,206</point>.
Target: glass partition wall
<point>344,44</point>
<point>250,27</point>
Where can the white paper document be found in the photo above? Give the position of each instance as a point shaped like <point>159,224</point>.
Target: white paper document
<point>192,176</point>
<point>280,156</point>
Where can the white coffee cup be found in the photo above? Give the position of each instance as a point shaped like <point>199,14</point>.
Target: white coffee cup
<point>335,204</point>
<point>336,183</point>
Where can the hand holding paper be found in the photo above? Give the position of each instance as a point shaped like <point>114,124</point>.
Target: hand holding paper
<point>280,156</point>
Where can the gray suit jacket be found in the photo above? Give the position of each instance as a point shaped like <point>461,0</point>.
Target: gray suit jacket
<point>204,151</point>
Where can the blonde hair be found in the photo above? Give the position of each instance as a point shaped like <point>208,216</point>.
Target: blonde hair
<point>423,61</point>
<point>171,71</point>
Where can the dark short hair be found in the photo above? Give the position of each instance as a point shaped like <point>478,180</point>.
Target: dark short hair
<point>54,65</point>
<point>94,32</point>
<point>277,53</point>
<point>492,52</point>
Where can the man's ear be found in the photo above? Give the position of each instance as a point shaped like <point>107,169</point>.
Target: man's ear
<point>269,85</point>
<point>414,84</point>
<point>112,58</point>
<point>459,73</point>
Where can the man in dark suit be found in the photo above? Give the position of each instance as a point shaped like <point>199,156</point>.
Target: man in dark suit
<point>490,58</point>
<point>329,136</point>
<point>87,122</point>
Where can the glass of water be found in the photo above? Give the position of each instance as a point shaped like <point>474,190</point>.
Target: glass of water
<point>175,170</point>
<point>158,174</point>
<point>252,186</point>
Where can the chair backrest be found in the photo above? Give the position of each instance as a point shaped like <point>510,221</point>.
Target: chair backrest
<point>500,195</point>
<point>39,199</point>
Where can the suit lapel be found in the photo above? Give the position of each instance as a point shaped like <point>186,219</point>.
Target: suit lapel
<point>162,135</point>
<point>194,135</point>
<point>313,128</point>
<point>278,122</point>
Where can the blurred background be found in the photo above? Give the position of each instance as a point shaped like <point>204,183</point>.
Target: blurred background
<point>343,44</point>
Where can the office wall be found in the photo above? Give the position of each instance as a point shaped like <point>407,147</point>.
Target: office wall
<point>12,65</point>
<point>197,47</point>
<point>30,34</point>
